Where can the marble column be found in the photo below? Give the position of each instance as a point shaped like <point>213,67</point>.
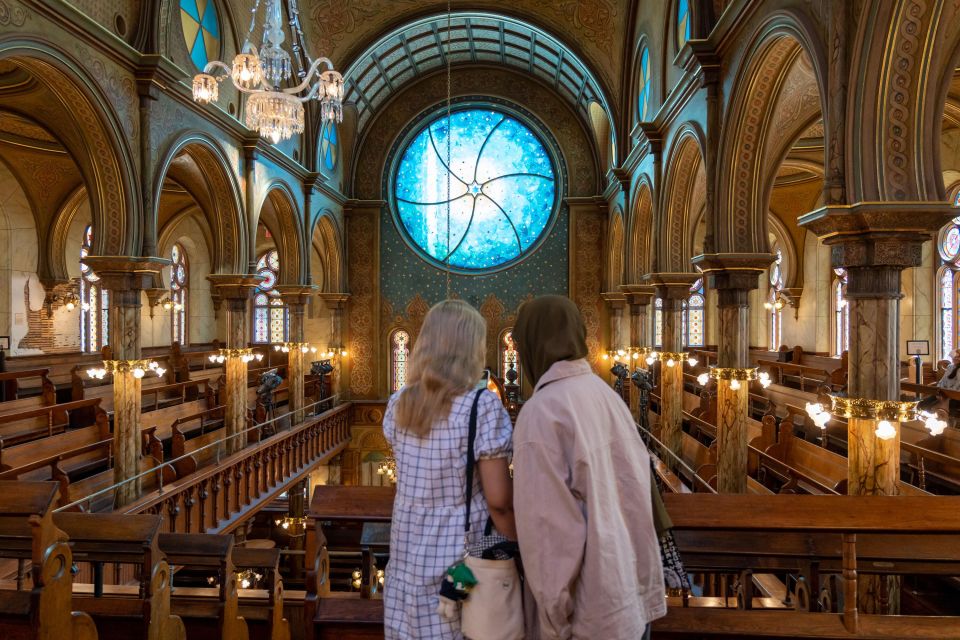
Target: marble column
<point>733,276</point>
<point>638,298</point>
<point>125,279</point>
<point>673,289</point>
<point>337,305</point>
<point>295,297</point>
<point>235,290</point>
<point>616,303</point>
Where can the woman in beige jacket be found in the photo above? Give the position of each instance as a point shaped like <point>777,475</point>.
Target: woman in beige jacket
<point>581,489</point>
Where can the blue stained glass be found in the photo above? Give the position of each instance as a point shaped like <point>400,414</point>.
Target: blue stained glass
<point>502,189</point>
<point>645,82</point>
<point>683,22</point>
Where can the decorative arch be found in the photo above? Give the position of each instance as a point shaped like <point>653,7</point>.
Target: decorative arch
<point>328,242</point>
<point>642,85</point>
<point>640,250</point>
<point>279,213</point>
<point>615,251</point>
<point>92,133</point>
<point>791,256</point>
<point>229,244</point>
<point>685,183</point>
<point>52,263</point>
<point>745,182</point>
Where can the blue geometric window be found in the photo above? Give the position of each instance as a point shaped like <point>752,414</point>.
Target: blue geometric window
<point>499,188</point>
<point>643,102</point>
<point>328,146</point>
<point>683,23</point>
<point>201,30</point>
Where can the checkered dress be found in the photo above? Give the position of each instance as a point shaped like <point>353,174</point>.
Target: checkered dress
<point>426,535</point>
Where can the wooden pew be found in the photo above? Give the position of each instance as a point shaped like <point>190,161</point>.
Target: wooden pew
<point>14,396</point>
<point>42,422</point>
<point>206,612</point>
<point>812,536</point>
<point>140,610</point>
<point>28,534</point>
<point>262,608</point>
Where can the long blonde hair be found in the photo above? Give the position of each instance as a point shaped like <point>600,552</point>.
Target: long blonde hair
<point>447,360</point>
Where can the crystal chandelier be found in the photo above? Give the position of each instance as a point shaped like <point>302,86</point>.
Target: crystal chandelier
<point>272,111</point>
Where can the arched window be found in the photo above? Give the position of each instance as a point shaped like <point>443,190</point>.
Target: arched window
<point>399,357</point>
<point>201,30</point>
<point>509,358</point>
<point>179,277</point>
<point>841,313</point>
<point>949,279</point>
<point>269,312</point>
<point>329,146</point>
<point>693,320</point>
<point>683,23</point>
<point>658,323</point>
<point>643,99</point>
<point>94,302</point>
<point>774,304</point>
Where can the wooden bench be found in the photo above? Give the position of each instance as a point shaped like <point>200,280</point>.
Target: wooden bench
<point>28,534</point>
<point>14,396</point>
<point>812,536</point>
<point>262,607</point>
<point>207,612</point>
<point>45,421</point>
<point>82,387</point>
<point>127,543</point>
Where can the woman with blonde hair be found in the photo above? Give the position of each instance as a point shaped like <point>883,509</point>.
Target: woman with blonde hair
<point>427,425</point>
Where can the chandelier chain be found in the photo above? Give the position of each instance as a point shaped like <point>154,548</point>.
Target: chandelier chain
<point>449,139</point>
<point>253,22</point>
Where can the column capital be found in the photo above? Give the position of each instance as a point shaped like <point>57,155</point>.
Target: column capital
<point>295,294</point>
<point>334,301</point>
<point>916,221</point>
<point>672,286</point>
<point>614,299</point>
<point>126,273</point>
<point>234,286</point>
<point>638,295</point>
<point>733,270</point>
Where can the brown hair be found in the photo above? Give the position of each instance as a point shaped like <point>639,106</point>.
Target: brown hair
<point>447,360</point>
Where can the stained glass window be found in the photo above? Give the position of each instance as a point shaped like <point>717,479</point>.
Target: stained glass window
<point>269,313</point>
<point>841,310</point>
<point>399,357</point>
<point>643,100</point>
<point>499,189</point>
<point>683,22</point>
<point>947,330</point>
<point>201,30</point>
<point>774,304</point>
<point>329,147</point>
<point>949,249</point>
<point>94,302</point>
<point>693,317</point>
<point>658,323</point>
<point>179,277</point>
<point>509,358</point>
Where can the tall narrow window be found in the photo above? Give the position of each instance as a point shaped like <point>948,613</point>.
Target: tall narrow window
<point>658,323</point>
<point>94,302</point>
<point>841,311</point>
<point>693,320</point>
<point>399,356</point>
<point>643,98</point>
<point>683,23</point>
<point>269,312</point>
<point>179,277</point>
<point>949,249</point>
<point>774,303</point>
<point>509,358</point>
<point>329,147</point>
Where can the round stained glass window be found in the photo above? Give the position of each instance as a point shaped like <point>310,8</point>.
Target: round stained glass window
<point>498,185</point>
<point>950,246</point>
<point>201,30</point>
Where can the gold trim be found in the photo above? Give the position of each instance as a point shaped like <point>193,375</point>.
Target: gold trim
<point>235,353</point>
<point>733,373</point>
<point>867,409</point>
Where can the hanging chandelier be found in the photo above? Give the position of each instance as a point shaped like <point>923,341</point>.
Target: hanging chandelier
<point>274,112</point>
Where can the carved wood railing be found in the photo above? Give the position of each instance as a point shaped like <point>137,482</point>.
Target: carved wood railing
<point>216,499</point>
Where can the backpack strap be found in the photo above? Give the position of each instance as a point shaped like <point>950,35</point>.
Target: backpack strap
<point>471,456</point>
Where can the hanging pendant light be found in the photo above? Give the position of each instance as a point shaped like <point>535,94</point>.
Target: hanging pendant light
<point>274,112</point>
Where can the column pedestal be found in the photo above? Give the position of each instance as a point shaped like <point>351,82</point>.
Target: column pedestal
<point>125,278</point>
<point>235,290</point>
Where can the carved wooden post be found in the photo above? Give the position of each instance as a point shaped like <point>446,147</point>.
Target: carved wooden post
<point>295,297</point>
<point>235,290</point>
<point>125,278</point>
<point>733,276</point>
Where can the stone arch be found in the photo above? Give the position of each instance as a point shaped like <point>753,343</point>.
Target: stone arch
<point>760,135</point>
<point>222,208</point>
<point>685,184</point>
<point>615,251</point>
<point>89,128</point>
<point>603,135</point>
<point>279,213</point>
<point>944,117</point>
<point>52,262</point>
<point>639,249</point>
<point>328,242</point>
<point>794,270</point>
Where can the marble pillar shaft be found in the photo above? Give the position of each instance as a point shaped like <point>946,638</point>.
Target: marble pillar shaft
<point>671,378</point>
<point>235,371</point>
<point>295,370</point>
<point>124,316</point>
<point>732,406</point>
<point>733,320</point>
<point>617,334</point>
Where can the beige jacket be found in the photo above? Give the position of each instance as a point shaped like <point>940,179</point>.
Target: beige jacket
<point>582,503</point>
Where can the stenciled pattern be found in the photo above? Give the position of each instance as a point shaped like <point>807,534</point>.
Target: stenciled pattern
<point>487,202</point>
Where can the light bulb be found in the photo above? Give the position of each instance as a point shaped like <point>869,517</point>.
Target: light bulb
<point>213,357</point>
<point>885,430</point>
<point>92,373</point>
<point>621,352</point>
<point>767,306</point>
<point>276,347</point>
<point>70,306</point>
<point>814,408</point>
<point>933,424</point>
<point>160,371</point>
<point>153,365</point>
<point>764,382</point>
<point>245,584</point>
<point>735,384</point>
<point>343,353</point>
<point>650,359</point>
<point>692,362</point>
<point>138,373</point>
<point>167,305</point>
<point>703,379</point>
<point>259,357</point>
<point>605,357</point>
<point>635,355</point>
<point>821,419</point>
<point>313,349</point>
<point>304,349</point>
<point>670,362</point>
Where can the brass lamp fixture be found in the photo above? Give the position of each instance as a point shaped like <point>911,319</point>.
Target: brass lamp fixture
<point>885,412</point>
